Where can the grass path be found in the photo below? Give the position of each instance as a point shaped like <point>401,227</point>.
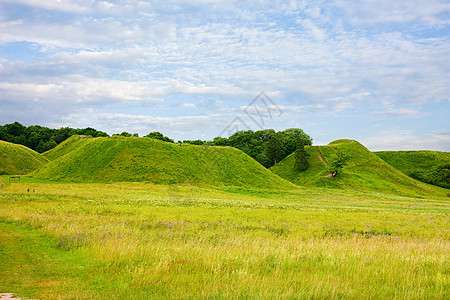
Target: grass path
<point>32,267</point>
<point>322,158</point>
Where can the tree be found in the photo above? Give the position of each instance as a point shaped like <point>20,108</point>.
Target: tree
<point>274,149</point>
<point>194,142</point>
<point>159,136</point>
<point>298,135</point>
<point>441,175</point>
<point>41,138</point>
<point>301,158</point>
<point>338,163</point>
<point>220,141</point>
<point>125,134</point>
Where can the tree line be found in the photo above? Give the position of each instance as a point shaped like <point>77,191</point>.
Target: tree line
<point>41,138</point>
<point>265,146</point>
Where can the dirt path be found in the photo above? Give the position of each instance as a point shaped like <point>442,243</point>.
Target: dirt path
<point>322,158</point>
<point>324,161</point>
<point>8,296</point>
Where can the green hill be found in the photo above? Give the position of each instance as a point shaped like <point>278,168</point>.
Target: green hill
<point>365,171</point>
<point>119,159</point>
<point>17,159</point>
<point>428,166</point>
<point>72,143</point>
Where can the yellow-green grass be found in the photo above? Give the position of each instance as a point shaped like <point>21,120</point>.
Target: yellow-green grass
<point>140,240</point>
<point>119,159</point>
<point>70,144</point>
<point>18,159</point>
<point>365,172</point>
<point>420,165</point>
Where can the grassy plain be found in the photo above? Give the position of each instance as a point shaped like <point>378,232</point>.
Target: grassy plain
<point>141,240</point>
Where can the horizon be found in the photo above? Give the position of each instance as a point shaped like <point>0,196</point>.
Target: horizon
<point>209,140</point>
<point>372,71</point>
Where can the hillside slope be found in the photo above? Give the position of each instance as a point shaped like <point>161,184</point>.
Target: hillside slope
<point>17,159</point>
<point>365,171</point>
<point>72,143</point>
<point>426,166</point>
<point>143,159</point>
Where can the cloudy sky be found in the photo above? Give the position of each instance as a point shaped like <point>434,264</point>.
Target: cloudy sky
<point>376,71</point>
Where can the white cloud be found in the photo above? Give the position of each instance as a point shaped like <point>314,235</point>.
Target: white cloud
<point>310,57</point>
<point>407,140</point>
<point>68,6</point>
<point>189,105</point>
<point>374,12</point>
<point>398,113</point>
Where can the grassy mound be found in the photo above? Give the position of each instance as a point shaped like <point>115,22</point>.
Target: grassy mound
<point>425,166</point>
<point>120,159</point>
<point>365,171</point>
<point>17,159</point>
<point>72,143</point>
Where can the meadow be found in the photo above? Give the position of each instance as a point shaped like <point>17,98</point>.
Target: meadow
<point>142,240</point>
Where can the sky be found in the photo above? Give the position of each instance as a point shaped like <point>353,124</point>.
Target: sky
<point>375,71</point>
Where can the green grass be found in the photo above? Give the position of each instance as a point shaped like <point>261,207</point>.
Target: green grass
<point>31,265</point>
<point>17,159</point>
<point>420,165</point>
<point>70,144</point>
<point>141,240</point>
<point>121,159</point>
<point>365,171</point>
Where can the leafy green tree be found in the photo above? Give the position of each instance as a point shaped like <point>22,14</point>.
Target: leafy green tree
<point>41,138</point>
<point>275,150</point>
<point>159,136</point>
<point>301,158</point>
<point>298,135</point>
<point>441,176</point>
<point>338,163</point>
<point>220,141</point>
<point>256,143</point>
<point>194,142</point>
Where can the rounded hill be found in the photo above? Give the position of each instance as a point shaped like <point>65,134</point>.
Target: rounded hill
<point>365,171</point>
<point>119,159</point>
<point>17,159</point>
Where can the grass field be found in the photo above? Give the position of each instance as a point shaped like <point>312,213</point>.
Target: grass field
<point>141,240</point>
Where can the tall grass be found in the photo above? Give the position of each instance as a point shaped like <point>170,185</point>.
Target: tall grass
<point>136,240</point>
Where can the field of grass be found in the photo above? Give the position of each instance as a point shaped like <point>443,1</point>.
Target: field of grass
<point>141,240</point>
<point>120,159</point>
<point>365,172</point>
<point>17,159</point>
<point>421,165</point>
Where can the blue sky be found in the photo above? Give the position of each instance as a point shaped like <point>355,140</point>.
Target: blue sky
<point>374,71</point>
